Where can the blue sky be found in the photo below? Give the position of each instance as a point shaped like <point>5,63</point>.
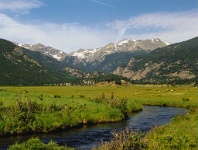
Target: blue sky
<point>69,25</point>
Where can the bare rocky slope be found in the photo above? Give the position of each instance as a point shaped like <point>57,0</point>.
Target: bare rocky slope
<point>123,46</point>
<point>108,58</point>
<point>47,50</point>
<point>176,63</point>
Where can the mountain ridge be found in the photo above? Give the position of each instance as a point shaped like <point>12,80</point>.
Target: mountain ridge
<point>174,63</point>
<point>18,68</point>
<point>47,50</point>
<point>166,64</point>
<point>88,54</point>
<point>126,45</point>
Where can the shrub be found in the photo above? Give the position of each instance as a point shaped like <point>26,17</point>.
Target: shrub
<point>125,140</point>
<point>36,144</point>
<point>186,99</point>
<point>54,107</point>
<point>1,103</point>
<point>57,96</point>
<point>81,96</point>
<point>41,97</point>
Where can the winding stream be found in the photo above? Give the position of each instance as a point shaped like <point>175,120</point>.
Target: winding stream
<point>90,136</point>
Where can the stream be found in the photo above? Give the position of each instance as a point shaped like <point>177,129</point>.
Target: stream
<point>90,136</point>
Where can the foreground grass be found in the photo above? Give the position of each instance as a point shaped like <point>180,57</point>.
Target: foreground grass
<point>36,144</point>
<point>112,103</point>
<point>182,133</point>
<point>124,140</point>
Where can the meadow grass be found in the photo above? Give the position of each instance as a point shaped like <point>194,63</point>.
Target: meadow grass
<point>45,109</point>
<point>62,107</point>
<point>148,94</point>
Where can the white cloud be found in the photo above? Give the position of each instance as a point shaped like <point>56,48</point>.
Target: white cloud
<point>66,37</point>
<point>19,6</point>
<point>172,27</point>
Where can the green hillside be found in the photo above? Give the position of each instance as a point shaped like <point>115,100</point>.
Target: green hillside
<point>114,60</point>
<point>176,63</point>
<point>17,68</point>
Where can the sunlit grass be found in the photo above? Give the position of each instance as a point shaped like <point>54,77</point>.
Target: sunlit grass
<point>180,134</point>
<point>36,144</point>
<point>69,106</point>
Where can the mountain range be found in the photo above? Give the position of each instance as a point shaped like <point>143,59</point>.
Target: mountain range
<point>141,61</point>
<point>104,59</point>
<point>123,46</point>
<point>92,54</point>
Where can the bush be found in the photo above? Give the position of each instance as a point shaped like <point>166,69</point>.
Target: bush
<point>81,96</point>
<point>57,96</point>
<point>36,144</point>
<point>186,99</point>
<point>125,140</point>
<point>1,103</point>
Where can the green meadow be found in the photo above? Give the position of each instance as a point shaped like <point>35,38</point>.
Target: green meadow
<point>50,108</point>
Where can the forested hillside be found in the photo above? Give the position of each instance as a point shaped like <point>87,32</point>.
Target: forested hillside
<point>176,63</point>
<point>17,68</point>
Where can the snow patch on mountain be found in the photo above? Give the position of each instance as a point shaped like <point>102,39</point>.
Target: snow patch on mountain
<point>84,53</point>
<point>19,44</point>
<point>56,57</point>
<point>80,55</point>
<point>123,42</point>
<point>47,50</point>
<point>167,43</point>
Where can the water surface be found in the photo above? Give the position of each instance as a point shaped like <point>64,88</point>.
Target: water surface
<point>91,135</point>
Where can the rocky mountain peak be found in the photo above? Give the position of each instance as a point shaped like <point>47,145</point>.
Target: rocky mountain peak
<point>84,53</point>
<point>98,54</point>
<point>47,50</point>
<point>126,45</point>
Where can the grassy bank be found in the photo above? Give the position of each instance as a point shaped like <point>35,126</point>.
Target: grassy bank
<point>55,108</point>
<point>182,133</point>
<point>26,110</point>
